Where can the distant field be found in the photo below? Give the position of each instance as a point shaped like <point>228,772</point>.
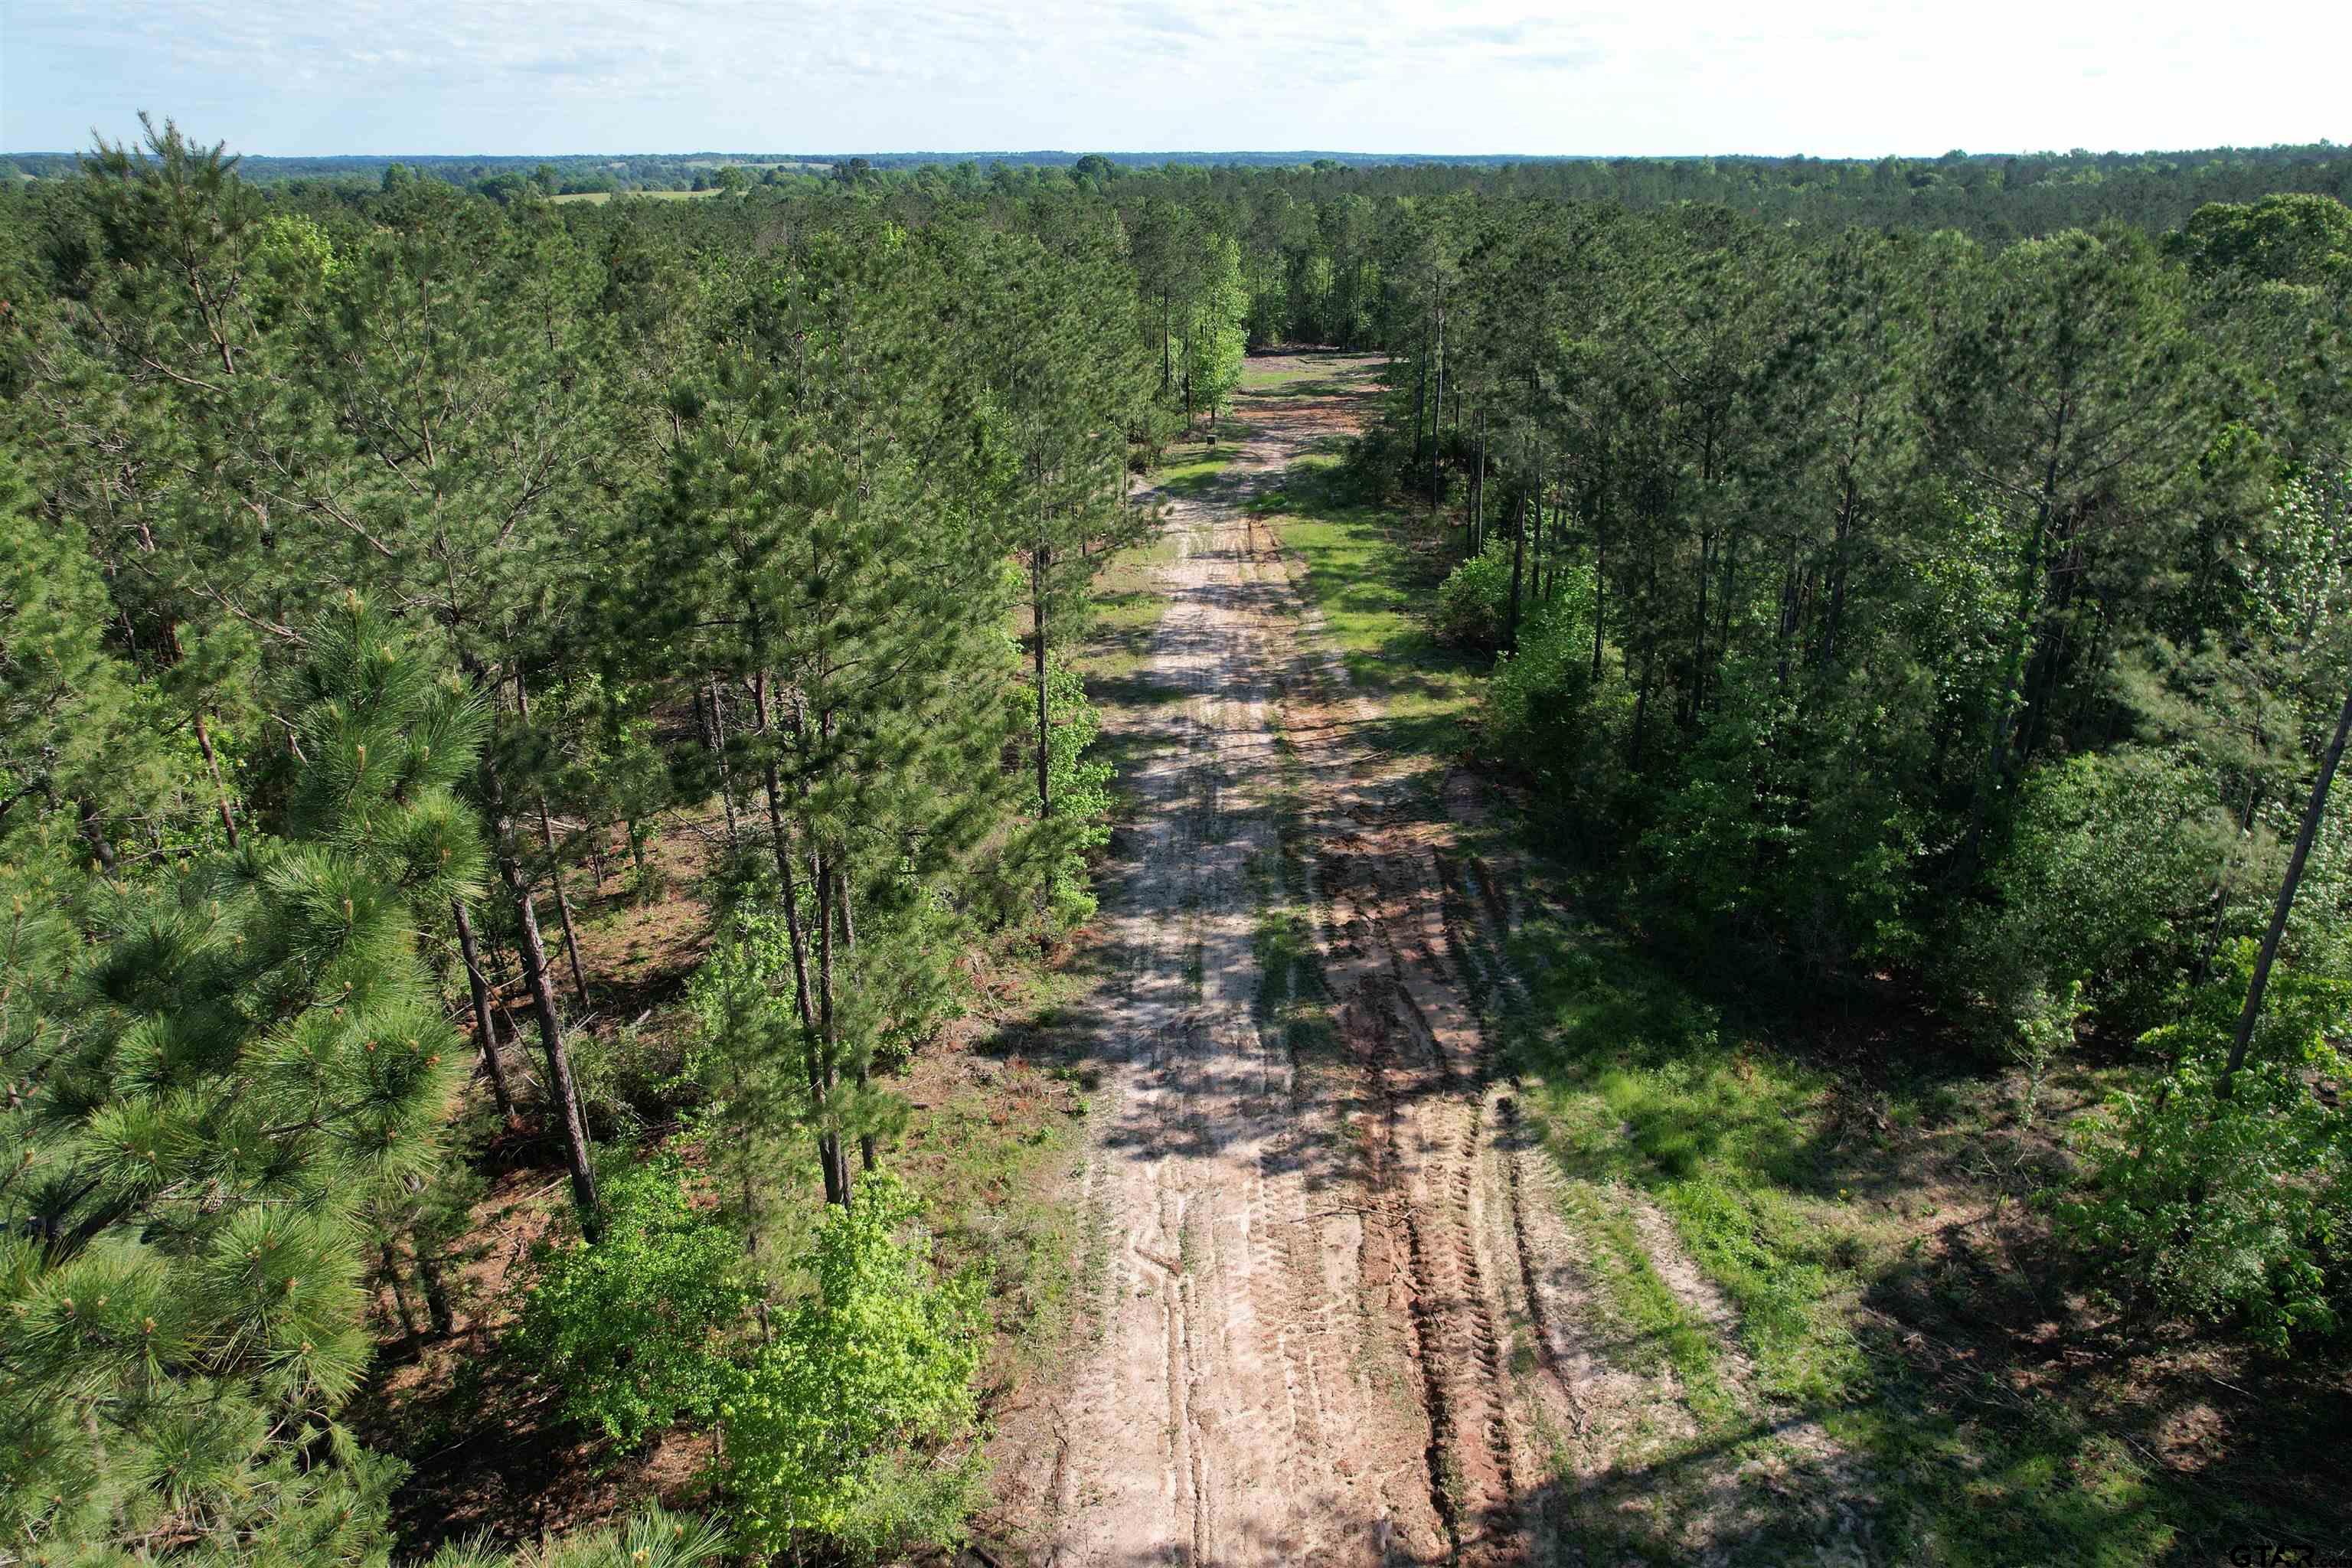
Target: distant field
<point>599,198</point>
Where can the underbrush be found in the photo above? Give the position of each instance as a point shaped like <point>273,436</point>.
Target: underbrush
<point>1881,1285</point>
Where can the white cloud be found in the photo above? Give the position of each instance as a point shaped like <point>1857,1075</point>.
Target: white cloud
<point>1860,78</point>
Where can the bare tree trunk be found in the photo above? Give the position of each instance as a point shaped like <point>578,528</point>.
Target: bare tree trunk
<point>1600,572</point>
<point>437,1292</point>
<point>93,832</point>
<point>500,1090</point>
<point>2311,814</point>
<point>1420,396</point>
<point>804,1001</point>
<point>829,1139</point>
<point>1518,563</point>
<point>555,869</point>
<point>1436,440</point>
<point>220,790</point>
<point>428,1275</point>
<point>2202,969</point>
<point>1037,567</point>
<point>718,750</point>
<point>865,1058</point>
<point>559,1086</point>
<point>563,908</point>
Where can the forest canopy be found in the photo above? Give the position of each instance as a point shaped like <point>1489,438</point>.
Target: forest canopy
<point>1911,577</point>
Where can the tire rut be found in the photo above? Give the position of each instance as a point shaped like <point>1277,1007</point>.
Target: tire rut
<point>1299,1351</point>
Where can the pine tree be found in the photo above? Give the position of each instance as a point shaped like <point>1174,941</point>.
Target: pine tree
<point>201,1103</point>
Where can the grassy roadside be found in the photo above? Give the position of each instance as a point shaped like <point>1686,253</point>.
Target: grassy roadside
<point>1905,1372</point>
<point>1125,603</point>
<point>1827,1223</point>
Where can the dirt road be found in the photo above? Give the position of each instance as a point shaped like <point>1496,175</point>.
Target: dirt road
<point>1306,1188</point>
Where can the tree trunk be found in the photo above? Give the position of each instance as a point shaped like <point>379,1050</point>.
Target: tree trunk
<point>828,1138</point>
<point>1037,567</point>
<point>559,1086</point>
<point>391,1263</point>
<point>1729,598</point>
<point>1436,436</point>
<point>1518,558</point>
<point>803,998</point>
<point>2029,596</point>
<point>1599,573</point>
<point>865,1153</point>
<point>555,869</point>
<point>780,839</point>
<point>1640,713</point>
<point>1698,647</point>
<point>1420,397</point>
<point>220,790</point>
<point>2202,970</point>
<point>1474,514</point>
<point>93,832</point>
<point>1838,565</point>
<point>428,1275</point>
<point>500,1090</point>
<point>437,1292</point>
<point>563,908</point>
<point>718,750</point>
<point>2311,814</point>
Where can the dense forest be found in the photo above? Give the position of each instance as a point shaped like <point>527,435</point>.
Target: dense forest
<point>1920,584</point>
<point>2008,195</point>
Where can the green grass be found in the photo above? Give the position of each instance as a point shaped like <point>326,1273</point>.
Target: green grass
<point>1195,469</point>
<point>1125,607</point>
<point>988,1148</point>
<point>1260,379</point>
<point>1294,1001</point>
<point>1636,1082</point>
<point>1803,1212</point>
<point>1371,582</point>
<point>1651,1323</point>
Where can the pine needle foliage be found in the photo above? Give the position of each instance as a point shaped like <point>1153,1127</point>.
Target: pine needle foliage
<point>210,1072</point>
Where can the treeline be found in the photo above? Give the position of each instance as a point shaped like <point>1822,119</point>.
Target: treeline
<point>1998,196</point>
<point>1887,605</point>
<point>377,580</point>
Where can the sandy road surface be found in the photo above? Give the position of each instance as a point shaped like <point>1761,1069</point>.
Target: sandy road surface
<point>1313,1267</point>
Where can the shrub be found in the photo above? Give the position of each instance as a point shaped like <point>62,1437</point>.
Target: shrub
<point>850,1426</point>
<point>2240,1207</point>
<point>636,1329</point>
<point>1474,600</point>
<point>1057,851</point>
<point>654,1539</point>
<point>1540,715</point>
<point>2110,864</point>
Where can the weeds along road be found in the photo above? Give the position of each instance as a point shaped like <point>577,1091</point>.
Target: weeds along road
<point>1305,1190</point>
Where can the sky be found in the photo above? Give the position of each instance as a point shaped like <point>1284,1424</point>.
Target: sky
<point>1857,78</point>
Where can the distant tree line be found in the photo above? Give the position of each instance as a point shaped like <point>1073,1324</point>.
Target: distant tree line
<point>2000,196</point>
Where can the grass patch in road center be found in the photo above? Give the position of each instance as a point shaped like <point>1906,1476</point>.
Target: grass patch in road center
<point>1371,578</point>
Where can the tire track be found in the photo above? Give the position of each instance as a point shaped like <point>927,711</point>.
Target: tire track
<point>1302,1348</point>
